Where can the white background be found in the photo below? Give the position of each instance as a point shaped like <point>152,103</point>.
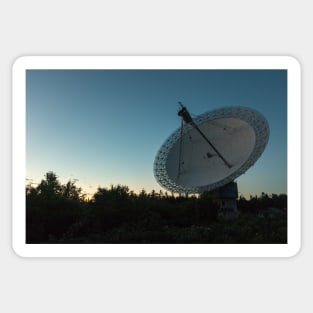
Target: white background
<point>155,28</point>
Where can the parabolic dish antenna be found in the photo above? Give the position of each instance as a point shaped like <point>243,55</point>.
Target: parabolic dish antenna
<point>211,150</point>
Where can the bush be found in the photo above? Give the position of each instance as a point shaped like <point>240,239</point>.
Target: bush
<point>57,213</point>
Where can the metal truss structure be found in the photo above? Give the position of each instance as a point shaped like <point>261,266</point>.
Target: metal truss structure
<point>253,118</point>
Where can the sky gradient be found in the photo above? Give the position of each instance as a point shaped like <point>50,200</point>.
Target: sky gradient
<point>105,127</point>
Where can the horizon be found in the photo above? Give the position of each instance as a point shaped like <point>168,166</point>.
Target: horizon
<point>162,191</point>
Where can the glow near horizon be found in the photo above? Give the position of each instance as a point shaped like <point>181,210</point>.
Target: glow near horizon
<point>105,127</point>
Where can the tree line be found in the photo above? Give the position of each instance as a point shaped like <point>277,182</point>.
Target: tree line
<point>60,213</point>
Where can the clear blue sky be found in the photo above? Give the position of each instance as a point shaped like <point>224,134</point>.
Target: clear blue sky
<point>105,127</point>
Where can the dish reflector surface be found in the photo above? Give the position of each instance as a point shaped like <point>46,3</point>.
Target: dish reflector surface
<point>188,163</point>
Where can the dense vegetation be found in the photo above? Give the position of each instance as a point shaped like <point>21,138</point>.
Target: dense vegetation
<point>57,213</point>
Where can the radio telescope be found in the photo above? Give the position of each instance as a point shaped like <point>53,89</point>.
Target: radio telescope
<point>208,152</point>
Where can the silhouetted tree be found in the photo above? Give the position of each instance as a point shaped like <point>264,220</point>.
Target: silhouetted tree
<point>51,208</point>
